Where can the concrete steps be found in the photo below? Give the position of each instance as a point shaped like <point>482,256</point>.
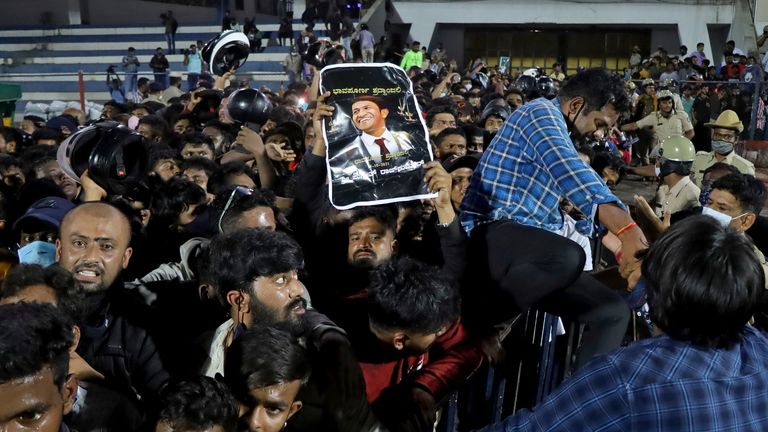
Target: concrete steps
<point>46,61</point>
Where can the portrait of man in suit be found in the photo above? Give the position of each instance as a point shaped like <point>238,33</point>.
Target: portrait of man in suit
<point>369,115</point>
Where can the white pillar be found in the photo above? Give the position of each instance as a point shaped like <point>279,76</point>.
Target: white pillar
<point>691,33</point>
<point>73,12</point>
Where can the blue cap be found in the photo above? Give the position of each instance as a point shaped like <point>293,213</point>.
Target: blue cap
<point>49,210</point>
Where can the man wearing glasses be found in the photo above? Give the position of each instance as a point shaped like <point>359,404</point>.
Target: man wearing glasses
<point>725,133</point>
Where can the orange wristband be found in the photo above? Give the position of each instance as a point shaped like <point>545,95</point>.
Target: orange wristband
<point>626,228</point>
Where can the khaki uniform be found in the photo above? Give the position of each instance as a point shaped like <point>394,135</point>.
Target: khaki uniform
<point>705,160</point>
<point>677,124</point>
<point>681,196</point>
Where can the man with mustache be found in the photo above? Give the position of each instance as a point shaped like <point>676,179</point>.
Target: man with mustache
<point>93,245</point>
<point>255,273</point>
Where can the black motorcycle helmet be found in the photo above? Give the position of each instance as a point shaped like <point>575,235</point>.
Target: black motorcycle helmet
<point>497,107</point>
<point>117,158</point>
<point>546,87</point>
<point>228,50</point>
<point>249,106</point>
<point>528,85</point>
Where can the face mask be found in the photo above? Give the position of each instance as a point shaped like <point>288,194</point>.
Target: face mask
<point>573,131</point>
<point>722,147</point>
<point>468,87</point>
<point>38,252</point>
<point>723,218</point>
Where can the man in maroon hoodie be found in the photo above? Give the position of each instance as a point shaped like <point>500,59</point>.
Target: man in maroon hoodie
<point>407,335</point>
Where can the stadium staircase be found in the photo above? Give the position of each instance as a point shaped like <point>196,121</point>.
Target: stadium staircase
<point>46,62</point>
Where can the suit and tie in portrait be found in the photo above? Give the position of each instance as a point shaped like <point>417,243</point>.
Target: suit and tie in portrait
<point>358,161</point>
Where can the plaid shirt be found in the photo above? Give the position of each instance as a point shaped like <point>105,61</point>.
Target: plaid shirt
<point>529,165</point>
<point>659,384</point>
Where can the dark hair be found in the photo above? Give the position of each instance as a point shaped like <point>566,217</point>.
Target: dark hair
<point>408,295</point>
<point>384,214</point>
<point>196,139</point>
<point>748,191</point>
<point>34,336</point>
<point>46,133</point>
<point>219,182</point>
<point>200,163</point>
<point>68,297</point>
<point>158,125</point>
<point>264,356</point>
<point>514,90</point>
<point>598,87</point>
<point>199,404</point>
<point>439,109</point>
<point>120,108</point>
<point>722,166</point>
<point>141,82</point>
<point>241,204</point>
<point>447,132</point>
<point>161,152</point>
<point>703,282</point>
<point>173,197</point>
<point>380,103</point>
<point>281,114</point>
<point>239,257</point>
<point>34,157</point>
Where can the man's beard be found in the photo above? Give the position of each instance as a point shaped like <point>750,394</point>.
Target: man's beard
<point>263,315</point>
<point>364,263</point>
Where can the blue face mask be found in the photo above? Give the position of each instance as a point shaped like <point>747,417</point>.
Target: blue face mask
<point>38,252</point>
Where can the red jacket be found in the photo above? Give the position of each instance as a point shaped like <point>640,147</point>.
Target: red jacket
<point>448,363</point>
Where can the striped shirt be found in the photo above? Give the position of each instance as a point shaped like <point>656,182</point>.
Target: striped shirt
<point>659,384</point>
<point>529,166</point>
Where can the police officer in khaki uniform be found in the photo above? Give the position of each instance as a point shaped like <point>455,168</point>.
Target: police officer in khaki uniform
<point>665,122</point>
<point>725,132</point>
<point>677,192</point>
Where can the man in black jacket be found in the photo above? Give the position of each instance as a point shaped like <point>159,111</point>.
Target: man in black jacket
<point>93,244</point>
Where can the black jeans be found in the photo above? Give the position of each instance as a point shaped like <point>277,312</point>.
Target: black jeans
<point>516,267</point>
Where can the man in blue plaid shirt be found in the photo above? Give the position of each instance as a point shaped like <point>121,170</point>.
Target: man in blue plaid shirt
<point>511,212</point>
<point>707,373</point>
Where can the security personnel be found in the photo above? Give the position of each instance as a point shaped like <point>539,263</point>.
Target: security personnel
<point>665,122</point>
<point>677,192</point>
<point>725,132</point>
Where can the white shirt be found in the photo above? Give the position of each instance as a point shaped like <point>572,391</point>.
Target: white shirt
<point>374,150</point>
<point>216,350</point>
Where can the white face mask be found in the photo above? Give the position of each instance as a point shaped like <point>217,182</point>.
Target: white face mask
<point>723,218</point>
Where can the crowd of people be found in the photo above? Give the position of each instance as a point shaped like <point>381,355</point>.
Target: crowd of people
<point>224,291</point>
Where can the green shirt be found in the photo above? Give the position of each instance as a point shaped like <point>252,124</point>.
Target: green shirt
<point>410,59</point>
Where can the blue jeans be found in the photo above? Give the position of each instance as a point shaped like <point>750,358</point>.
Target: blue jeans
<point>171,39</point>
<point>131,82</point>
<point>162,78</point>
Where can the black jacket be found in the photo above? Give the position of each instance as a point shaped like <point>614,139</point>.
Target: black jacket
<point>114,343</point>
<point>334,399</point>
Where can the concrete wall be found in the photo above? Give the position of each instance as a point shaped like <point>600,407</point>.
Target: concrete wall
<point>668,37</point>
<point>28,13</point>
<point>691,19</point>
<point>126,12</point>
<point>375,17</point>
<point>452,38</point>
